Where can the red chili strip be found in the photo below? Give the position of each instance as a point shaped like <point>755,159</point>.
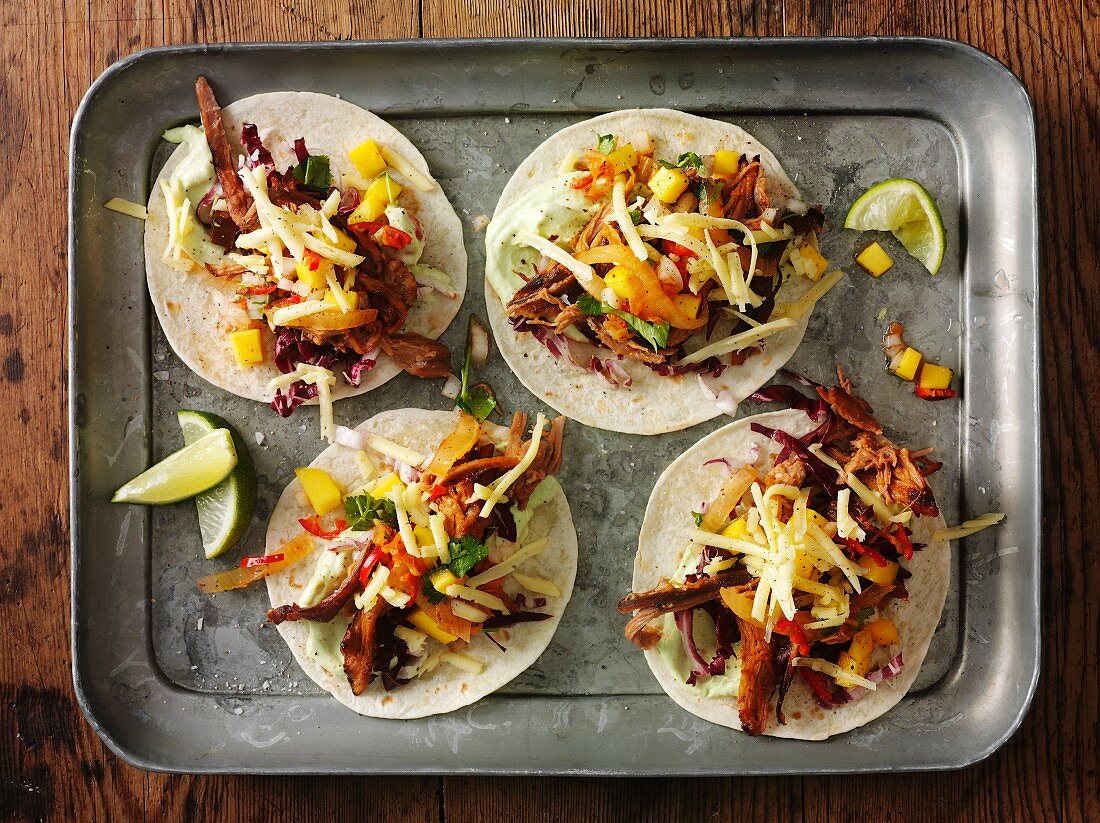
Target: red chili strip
<point>934,394</point>
<point>314,527</point>
<point>859,548</point>
<point>368,566</point>
<point>795,633</point>
<point>258,290</point>
<point>436,493</point>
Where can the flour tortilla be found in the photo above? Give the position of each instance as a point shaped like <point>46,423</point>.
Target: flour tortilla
<point>653,404</point>
<point>196,309</point>
<point>681,488</point>
<point>446,688</point>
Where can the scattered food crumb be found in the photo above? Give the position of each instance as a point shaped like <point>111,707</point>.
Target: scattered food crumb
<point>259,438</point>
<point>160,375</point>
<point>201,619</point>
<point>480,222</point>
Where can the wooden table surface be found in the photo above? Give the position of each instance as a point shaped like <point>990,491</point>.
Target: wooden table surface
<point>52,765</point>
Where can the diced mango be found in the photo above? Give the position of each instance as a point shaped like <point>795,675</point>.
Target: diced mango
<point>345,301</point>
<point>884,632</point>
<point>344,242</point>
<point>314,278</point>
<point>623,158</point>
<point>423,621</point>
<point>368,159</point>
<point>442,578</point>
<point>804,566</point>
<point>368,210</point>
<point>423,536</point>
<point>857,659</point>
<point>814,259</point>
<point>668,184</point>
<point>625,285</point>
<point>886,575</point>
<point>323,493</point>
<point>738,530</point>
<point>814,517</point>
<point>910,362</point>
<point>247,347</point>
<point>384,188</point>
<point>688,304</point>
<point>874,260</point>
<point>935,377</point>
<point>725,163</point>
<point>385,485</point>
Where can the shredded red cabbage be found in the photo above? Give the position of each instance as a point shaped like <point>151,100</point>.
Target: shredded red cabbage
<point>824,475</point>
<point>349,201</point>
<point>300,151</point>
<point>815,407</point>
<point>503,621</point>
<point>504,524</point>
<point>353,374</point>
<point>256,153</point>
<point>723,461</point>
<point>204,211</point>
<point>534,603</point>
<point>390,650</point>
<point>887,672</point>
<point>296,394</point>
<point>805,381</point>
<point>685,620</point>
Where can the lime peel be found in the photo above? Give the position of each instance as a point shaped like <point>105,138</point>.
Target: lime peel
<point>184,473</point>
<point>905,209</point>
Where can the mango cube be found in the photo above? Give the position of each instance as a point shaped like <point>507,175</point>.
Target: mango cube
<point>344,242</point>
<point>935,377</point>
<point>384,188</point>
<point>442,578</point>
<point>883,632</point>
<point>910,362</point>
<point>247,347</point>
<point>623,158</point>
<point>816,264</point>
<point>367,159</point>
<point>668,184</point>
<point>323,493</point>
<point>688,304</point>
<point>623,282</point>
<point>874,260</point>
<point>385,485</point>
<point>886,575</point>
<point>423,621</point>
<point>737,530</point>
<point>424,536</point>
<point>726,163</point>
<point>315,278</point>
<point>368,210</point>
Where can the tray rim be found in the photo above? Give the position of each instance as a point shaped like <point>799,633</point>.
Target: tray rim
<point>84,698</point>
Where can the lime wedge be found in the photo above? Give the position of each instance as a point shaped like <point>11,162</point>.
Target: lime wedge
<point>225,510</point>
<point>907,210</point>
<point>185,473</point>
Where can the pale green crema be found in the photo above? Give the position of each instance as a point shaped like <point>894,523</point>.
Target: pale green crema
<point>671,646</point>
<point>330,569</point>
<point>552,209</point>
<point>195,177</point>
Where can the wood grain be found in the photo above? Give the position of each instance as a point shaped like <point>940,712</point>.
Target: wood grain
<point>52,766</point>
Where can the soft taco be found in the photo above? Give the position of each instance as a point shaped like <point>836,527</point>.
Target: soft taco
<point>789,574</point>
<point>439,556</point>
<point>297,247</point>
<point>644,262</point>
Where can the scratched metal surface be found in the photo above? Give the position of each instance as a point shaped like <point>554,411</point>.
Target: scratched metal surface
<point>208,671</point>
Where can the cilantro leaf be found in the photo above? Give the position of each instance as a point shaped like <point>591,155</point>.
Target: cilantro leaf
<point>656,334</point>
<point>697,517</point>
<point>636,216</point>
<point>606,143</point>
<point>466,552</point>
<point>314,173</point>
<point>862,617</point>
<point>590,305</point>
<point>689,158</point>
<point>362,510</point>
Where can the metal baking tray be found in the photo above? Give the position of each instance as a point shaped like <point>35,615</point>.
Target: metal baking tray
<point>174,680</point>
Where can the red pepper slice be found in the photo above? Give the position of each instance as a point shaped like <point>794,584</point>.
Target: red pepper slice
<point>312,259</point>
<point>859,548</point>
<point>368,226</point>
<point>582,182</point>
<point>258,290</point>
<point>394,238</point>
<point>934,394</point>
<point>252,562</point>
<point>683,252</point>
<point>903,542</point>
<point>368,566</point>
<point>795,633</point>
<point>820,686</point>
<point>314,527</point>
<point>436,493</point>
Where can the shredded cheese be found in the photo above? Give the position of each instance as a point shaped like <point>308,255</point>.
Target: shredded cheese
<point>398,600</point>
<point>869,497</point>
<point>585,274</point>
<point>416,641</point>
<point>738,341</point>
<point>969,527</point>
<point>537,585</point>
<point>365,599</point>
<point>841,676</point>
<point>805,304</point>
<point>287,314</point>
<point>416,179</point>
<point>395,451</point>
<point>467,612</point>
<point>846,526</point>
<point>500,486</point>
<point>508,566</point>
<point>439,534</point>
<point>127,207</point>
<point>462,661</point>
<point>403,525</point>
<point>270,215</point>
<point>457,590</point>
<point>626,225</point>
<point>324,380</point>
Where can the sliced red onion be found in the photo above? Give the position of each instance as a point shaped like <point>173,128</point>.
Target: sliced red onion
<point>723,461</point>
<point>423,291</point>
<point>205,209</point>
<point>667,272</point>
<point>350,437</point>
<point>408,474</point>
<point>888,672</point>
<point>349,200</point>
<point>723,399</point>
<point>620,374</point>
<point>452,387</point>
